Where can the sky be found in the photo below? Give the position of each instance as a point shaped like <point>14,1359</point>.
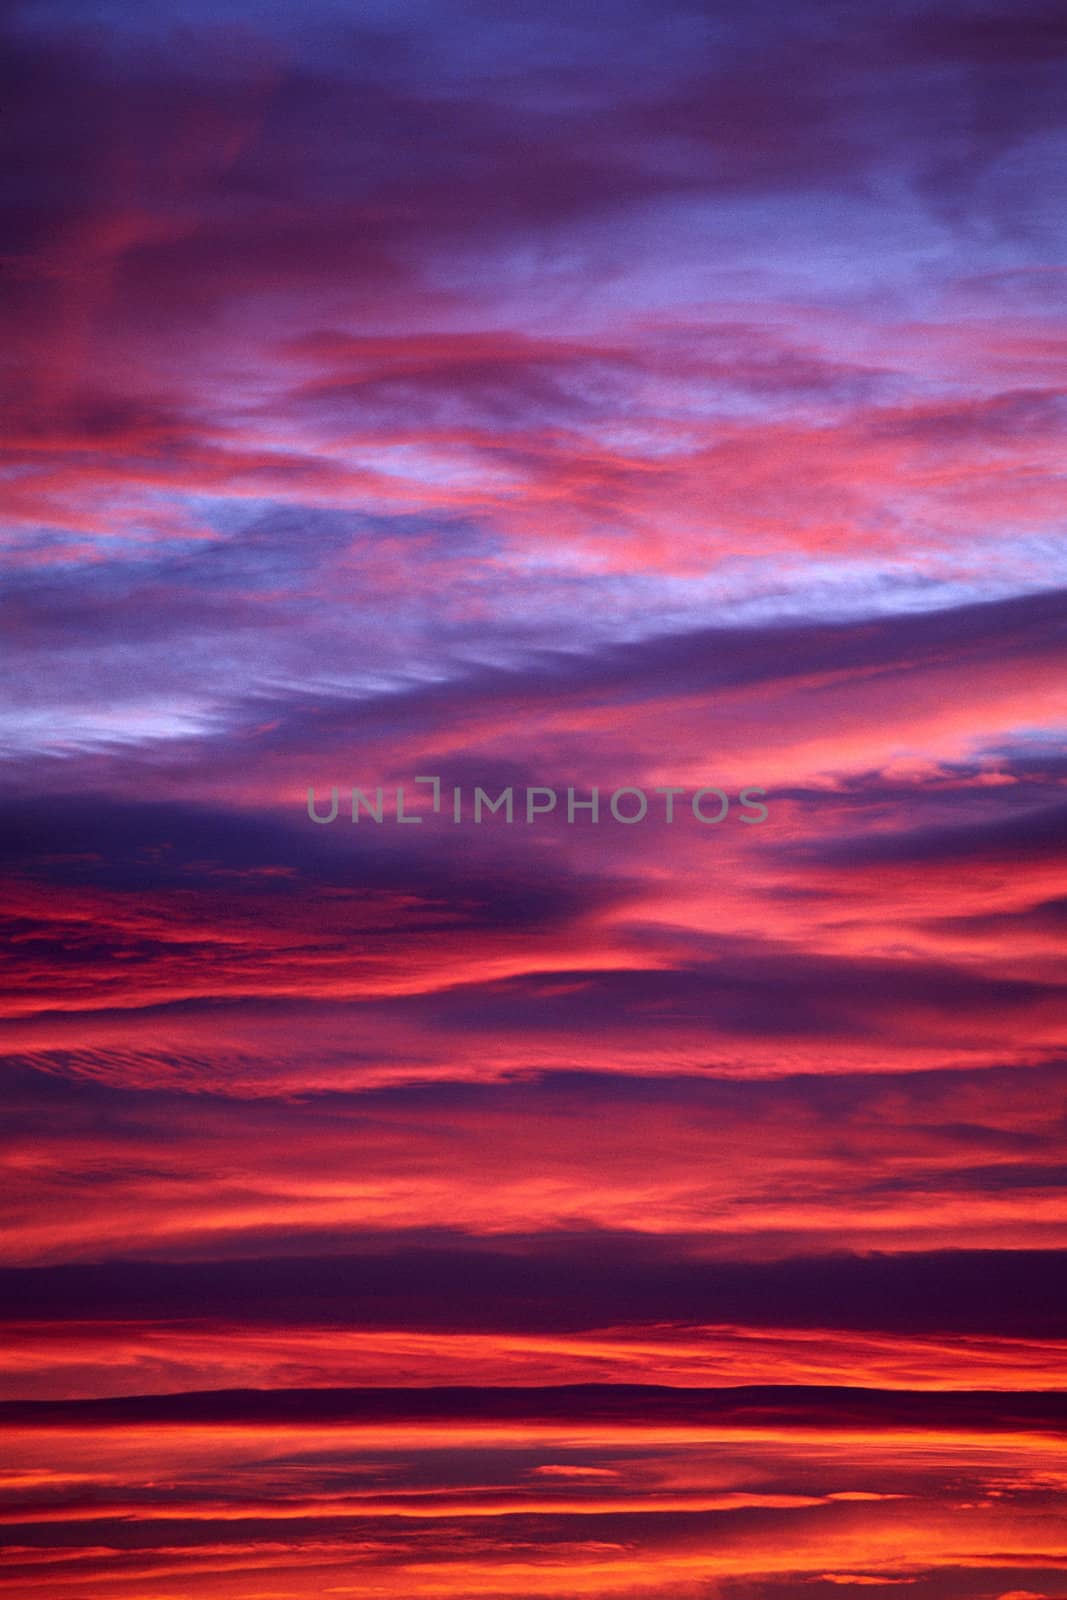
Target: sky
<point>595,406</point>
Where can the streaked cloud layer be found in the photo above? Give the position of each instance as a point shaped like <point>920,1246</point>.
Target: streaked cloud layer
<point>646,397</point>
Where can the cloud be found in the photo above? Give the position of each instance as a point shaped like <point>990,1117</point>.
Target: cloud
<point>666,396</point>
<point>579,1281</point>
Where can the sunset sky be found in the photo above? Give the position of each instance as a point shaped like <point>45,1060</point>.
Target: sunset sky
<point>560,397</point>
